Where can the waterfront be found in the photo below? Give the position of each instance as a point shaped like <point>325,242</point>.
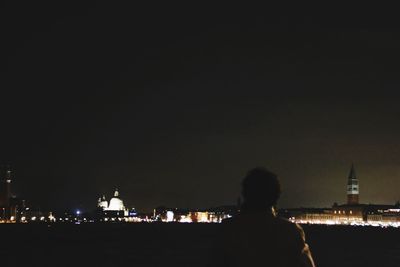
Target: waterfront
<point>170,244</point>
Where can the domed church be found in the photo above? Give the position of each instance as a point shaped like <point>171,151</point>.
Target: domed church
<point>102,203</point>
<point>116,204</point>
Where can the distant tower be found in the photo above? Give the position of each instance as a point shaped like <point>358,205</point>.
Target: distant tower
<point>5,188</point>
<point>352,187</point>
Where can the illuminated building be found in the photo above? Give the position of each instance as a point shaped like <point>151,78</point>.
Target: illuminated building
<point>116,204</point>
<point>169,216</point>
<point>114,208</point>
<point>200,216</point>
<point>102,203</point>
<point>212,215</point>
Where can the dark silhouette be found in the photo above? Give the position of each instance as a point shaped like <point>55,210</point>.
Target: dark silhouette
<point>256,237</point>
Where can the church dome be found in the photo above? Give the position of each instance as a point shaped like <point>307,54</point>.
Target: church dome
<point>116,203</point>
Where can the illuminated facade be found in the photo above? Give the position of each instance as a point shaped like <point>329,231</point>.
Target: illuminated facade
<point>351,213</point>
<point>115,205</point>
<point>213,215</point>
<point>102,203</point>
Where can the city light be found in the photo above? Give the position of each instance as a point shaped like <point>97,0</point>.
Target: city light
<point>170,216</point>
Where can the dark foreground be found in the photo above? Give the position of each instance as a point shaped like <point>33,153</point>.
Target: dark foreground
<point>177,245</point>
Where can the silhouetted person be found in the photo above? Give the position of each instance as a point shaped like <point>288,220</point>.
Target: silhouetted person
<point>256,237</point>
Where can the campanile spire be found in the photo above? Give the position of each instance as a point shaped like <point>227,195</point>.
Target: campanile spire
<point>352,187</point>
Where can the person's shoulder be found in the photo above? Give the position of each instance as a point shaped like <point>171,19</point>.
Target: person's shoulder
<point>286,222</point>
<point>291,227</point>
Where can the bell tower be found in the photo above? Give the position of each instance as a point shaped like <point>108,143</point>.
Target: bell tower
<point>352,187</point>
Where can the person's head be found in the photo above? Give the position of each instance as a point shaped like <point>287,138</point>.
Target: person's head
<point>260,188</point>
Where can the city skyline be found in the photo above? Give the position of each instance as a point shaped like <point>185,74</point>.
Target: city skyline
<point>7,178</point>
<point>15,209</point>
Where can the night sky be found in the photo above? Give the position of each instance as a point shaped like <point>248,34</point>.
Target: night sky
<point>173,104</point>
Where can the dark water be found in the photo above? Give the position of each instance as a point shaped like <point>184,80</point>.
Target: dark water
<point>177,245</point>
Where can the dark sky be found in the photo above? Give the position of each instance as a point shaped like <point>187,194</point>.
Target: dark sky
<point>173,104</point>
